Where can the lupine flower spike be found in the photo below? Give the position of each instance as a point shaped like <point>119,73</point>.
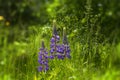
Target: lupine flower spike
<point>43,59</point>
<point>64,49</point>
<point>54,42</point>
<point>66,45</point>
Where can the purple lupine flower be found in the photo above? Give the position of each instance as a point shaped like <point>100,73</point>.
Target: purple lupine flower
<point>64,49</point>
<point>66,46</point>
<point>43,59</point>
<point>67,51</point>
<point>54,43</point>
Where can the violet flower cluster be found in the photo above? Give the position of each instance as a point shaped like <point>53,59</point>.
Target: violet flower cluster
<point>57,50</point>
<point>54,47</point>
<point>43,59</point>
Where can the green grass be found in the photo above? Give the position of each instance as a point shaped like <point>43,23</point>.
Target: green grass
<point>18,60</point>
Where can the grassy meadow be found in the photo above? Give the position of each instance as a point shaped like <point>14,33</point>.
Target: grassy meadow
<point>92,29</point>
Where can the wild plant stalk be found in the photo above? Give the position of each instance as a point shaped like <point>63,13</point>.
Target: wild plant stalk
<point>43,59</point>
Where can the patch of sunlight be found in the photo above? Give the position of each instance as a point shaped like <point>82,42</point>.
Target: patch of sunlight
<point>35,77</point>
<point>72,78</point>
<point>84,70</point>
<point>20,43</point>
<point>83,20</point>
<point>3,62</point>
<point>6,77</point>
<point>51,7</point>
<point>7,23</point>
<point>109,13</point>
<point>1,18</point>
<point>45,29</point>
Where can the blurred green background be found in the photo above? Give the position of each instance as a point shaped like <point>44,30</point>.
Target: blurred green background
<point>93,31</point>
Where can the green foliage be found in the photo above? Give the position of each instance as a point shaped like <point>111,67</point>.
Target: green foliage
<point>92,29</point>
